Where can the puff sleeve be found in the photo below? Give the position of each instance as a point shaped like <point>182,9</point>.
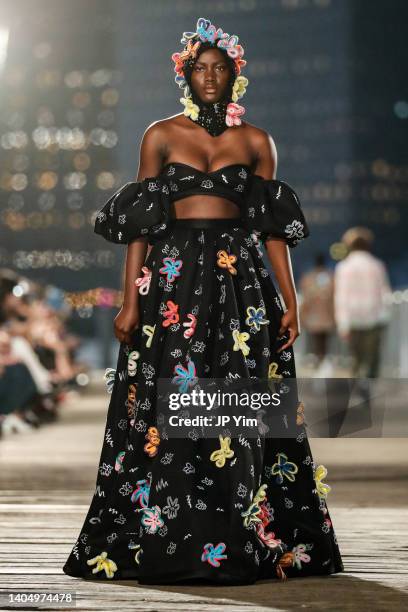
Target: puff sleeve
<point>272,209</point>
<point>137,209</point>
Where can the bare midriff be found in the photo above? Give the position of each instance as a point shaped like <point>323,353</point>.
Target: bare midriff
<point>205,206</point>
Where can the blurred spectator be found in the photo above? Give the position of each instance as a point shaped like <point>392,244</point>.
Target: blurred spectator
<point>37,355</point>
<point>362,295</point>
<point>317,309</point>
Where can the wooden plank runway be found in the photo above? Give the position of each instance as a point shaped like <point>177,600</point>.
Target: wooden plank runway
<point>47,485</point>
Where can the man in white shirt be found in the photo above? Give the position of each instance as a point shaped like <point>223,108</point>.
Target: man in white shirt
<point>362,298</point>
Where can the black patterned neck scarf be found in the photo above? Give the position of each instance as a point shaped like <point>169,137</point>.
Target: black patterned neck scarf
<point>211,116</point>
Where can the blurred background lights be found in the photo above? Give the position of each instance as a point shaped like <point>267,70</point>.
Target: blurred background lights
<point>4,38</point>
<point>47,180</point>
<point>338,250</point>
<point>42,50</point>
<point>401,109</point>
<point>105,180</point>
<point>75,180</point>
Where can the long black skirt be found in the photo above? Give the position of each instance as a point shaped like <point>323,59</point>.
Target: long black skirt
<point>226,510</point>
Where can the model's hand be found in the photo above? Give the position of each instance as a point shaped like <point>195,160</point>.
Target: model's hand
<point>125,323</point>
<point>289,322</point>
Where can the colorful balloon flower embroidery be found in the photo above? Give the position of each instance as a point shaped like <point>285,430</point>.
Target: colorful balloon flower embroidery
<point>103,564</point>
<point>141,494</point>
<point>171,314</point>
<point>191,325</point>
<point>300,414</point>
<point>240,342</point>
<point>185,377</point>
<point>213,554</point>
<point>321,488</point>
<point>239,88</point>
<point>284,468</point>
<point>118,462</point>
<point>234,112</point>
<point>138,549</point>
<point>207,32</point>
<point>190,109</point>
<point>132,362</point>
<point>152,519</point>
<point>225,261</point>
<point>149,331</point>
<point>153,437</point>
<point>224,452</point>
<point>143,282</point>
<point>171,268</point>
<point>273,370</point>
<point>255,317</point>
<point>260,515</point>
<point>252,515</point>
<point>109,378</point>
<point>301,555</point>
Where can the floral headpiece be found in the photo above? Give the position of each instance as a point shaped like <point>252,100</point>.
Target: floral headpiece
<point>206,32</point>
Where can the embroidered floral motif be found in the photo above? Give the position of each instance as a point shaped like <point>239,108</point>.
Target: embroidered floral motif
<point>273,370</point>
<point>224,452</point>
<point>300,554</point>
<point>143,282</point>
<point>141,494</point>
<point>224,260</point>
<point>153,437</point>
<point>240,342</point>
<point>255,317</point>
<point>190,325</point>
<point>284,468</point>
<point>171,314</point>
<point>185,377</point>
<point>295,230</point>
<point>118,462</point>
<point>149,331</point>
<point>132,362</point>
<point>152,519</point>
<point>321,488</point>
<point>234,112</point>
<point>103,564</point>
<point>213,554</point>
<point>171,268</point>
<point>109,377</point>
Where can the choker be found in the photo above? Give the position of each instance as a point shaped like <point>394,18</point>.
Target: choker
<point>211,116</point>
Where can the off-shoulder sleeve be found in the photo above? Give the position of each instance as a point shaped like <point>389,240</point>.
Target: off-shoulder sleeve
<point>272,210</point>
<point>137,209</point>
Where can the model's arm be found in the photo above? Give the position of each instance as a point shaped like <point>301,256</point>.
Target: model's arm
<point>276,248</point>
<point>150,163</point>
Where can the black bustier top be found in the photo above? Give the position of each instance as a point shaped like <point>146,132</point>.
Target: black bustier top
<point>269,208</point>
<point>230,182</point>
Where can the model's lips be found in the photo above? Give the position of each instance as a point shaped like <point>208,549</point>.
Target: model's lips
<point>210,89</point>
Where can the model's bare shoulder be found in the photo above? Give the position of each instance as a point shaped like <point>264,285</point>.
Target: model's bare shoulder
<point>263,145</point>
<point>162,126</point>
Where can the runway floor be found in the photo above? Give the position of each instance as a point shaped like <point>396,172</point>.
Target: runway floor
<point>47,481</point>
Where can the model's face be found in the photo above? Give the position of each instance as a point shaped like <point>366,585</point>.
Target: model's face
<point>210,76</point>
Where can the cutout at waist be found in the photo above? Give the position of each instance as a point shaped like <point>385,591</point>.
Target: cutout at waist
<point>206,204</point>
<point>208,222</point>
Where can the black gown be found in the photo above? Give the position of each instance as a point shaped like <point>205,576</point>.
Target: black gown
<point>227,509</point>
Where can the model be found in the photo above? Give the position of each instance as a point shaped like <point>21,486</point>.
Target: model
<point>201,304</point>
